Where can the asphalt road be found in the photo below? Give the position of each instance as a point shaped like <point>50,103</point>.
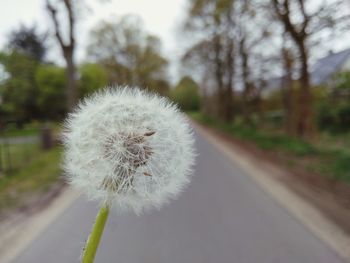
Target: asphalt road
<point>222,217</point>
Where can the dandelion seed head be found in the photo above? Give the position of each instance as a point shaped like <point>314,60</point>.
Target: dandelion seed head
<point>128,146</point>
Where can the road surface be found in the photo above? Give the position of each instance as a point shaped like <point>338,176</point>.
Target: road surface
<point>222,217</point>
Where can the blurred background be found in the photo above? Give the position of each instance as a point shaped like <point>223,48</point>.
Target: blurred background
<point>274,73</point>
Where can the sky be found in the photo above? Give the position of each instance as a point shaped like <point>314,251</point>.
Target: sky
<point>160,17</point>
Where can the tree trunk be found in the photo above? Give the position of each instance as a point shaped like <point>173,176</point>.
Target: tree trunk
<point>299,33</point>
<point>287,92</point>
<point>71,81</point>
<point>228,101</point>
<point>221,111</point>
<point>229,60</point>
<point>229,114</point>
<point>246,83</point>
<point>259,102</point>
<point>305,118</point>
<point>67,49</point>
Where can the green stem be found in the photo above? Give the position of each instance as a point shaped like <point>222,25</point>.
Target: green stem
<point>95,235</point>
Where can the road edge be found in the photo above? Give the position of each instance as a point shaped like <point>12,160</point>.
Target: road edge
<point>306,213</point>
<point>17,233</point>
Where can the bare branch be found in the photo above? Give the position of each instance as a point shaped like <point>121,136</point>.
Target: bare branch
<point>53,13</point>
<point>283,13</point>
<point>306,17</point>
<point>69,8</point>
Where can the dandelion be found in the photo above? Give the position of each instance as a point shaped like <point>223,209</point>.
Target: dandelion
<point>129,149</point>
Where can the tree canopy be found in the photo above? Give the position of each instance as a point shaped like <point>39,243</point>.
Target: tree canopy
<point>186,94</point>
<point>128,53</point>
<point>28,41</point>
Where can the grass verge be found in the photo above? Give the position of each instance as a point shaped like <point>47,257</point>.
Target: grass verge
<point>16,156</point>
<point>30,129</point>
<point>328,161</point>
<point>38,176</point>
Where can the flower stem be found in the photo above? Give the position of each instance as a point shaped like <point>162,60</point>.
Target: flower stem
<point>95,235</point>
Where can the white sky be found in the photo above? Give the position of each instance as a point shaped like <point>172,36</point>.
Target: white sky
<point>160,17</point>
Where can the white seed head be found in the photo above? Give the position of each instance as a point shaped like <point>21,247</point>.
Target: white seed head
<point>130,147</point>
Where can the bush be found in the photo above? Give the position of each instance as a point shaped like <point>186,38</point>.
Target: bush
<point>92,78</point>
<point>334,117</point>
<point>262,139</point>
<point>51,99</point>
<point>327,161</point>
<point>18,88</point>
<point>186,94</point>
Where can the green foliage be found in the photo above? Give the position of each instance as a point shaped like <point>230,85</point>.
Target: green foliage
<point>25,51</point>
<point>51,97</point>
<point>15,132</point>
<point>18,91</point>
<point>275,115</point>
<point>342,82</point>
<point>333,112</point>
<point>337,164</point>
<point>32,90</point>
<point>263,140</point>
<point>334,117</point>
<point>275,118</point>
<point>27,41</point>
<point>186,94</point>
<point>92,78</point>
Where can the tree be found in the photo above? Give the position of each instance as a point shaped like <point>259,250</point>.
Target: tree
<point>186,94</point>
<point>251,34</point>
<point>300,24</point>
<point>25,50</point>
<point>19,88</point>
<point>28,41</point>
<point>50,81</point>
<point>160,86</point>
<point>68,47</point>
<point>212,22</point>
<point>287,89</point>
<point>129,54</point>
<point>342,85</point>
<point>92,78</point>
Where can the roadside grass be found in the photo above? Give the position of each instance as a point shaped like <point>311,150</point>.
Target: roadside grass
<point>322,158</point>
<point>16,152</point>
<point>15,156</point>
<point>30,129</point>
<point>21,132</point>
<point>19,187</point>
